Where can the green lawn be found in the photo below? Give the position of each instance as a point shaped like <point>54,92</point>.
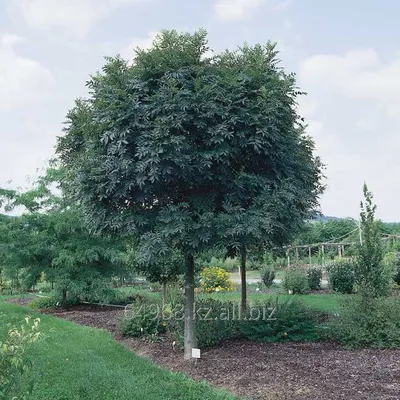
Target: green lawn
<point>324,302</point>
<point>75,362</point>
<point>235,276</point>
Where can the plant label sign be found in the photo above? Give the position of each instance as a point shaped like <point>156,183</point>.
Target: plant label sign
<point>195,353</point>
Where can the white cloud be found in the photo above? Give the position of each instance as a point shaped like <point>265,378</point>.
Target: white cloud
<point>128,52</point>
<point>357,74</point>
<point>75,16</point>
<point>353,109</point>
<point>234,10</point>
<point>237,10</point>
<point>22,80</point>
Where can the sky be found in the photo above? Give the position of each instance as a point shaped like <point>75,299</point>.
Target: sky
<point>345,54</point>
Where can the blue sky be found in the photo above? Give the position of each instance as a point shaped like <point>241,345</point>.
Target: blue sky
<point>345,53</point>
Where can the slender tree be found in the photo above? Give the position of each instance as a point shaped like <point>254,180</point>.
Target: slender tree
<point>371,277</point>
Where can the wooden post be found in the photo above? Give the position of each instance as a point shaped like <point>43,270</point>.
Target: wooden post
<point>288,257</point>
<point>309,255</point>
<point>340,251</point>
<point>297,255</point>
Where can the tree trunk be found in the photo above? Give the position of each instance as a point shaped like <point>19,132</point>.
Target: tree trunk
<point>164,293</point>
<point>64,298</point>
<point>189,331</point>
<point>243,300</point>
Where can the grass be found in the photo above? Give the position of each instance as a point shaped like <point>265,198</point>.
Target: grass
<point>252,274</point>
<point>76,362</point>
<point>323,302</point>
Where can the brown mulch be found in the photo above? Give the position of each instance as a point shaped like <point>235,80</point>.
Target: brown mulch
<point>21,301</point>
<point>268,371</point>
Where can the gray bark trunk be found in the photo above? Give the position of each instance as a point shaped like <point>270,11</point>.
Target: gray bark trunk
<point>164,294</point>
<point>243,300</point>
<point>189,330</point>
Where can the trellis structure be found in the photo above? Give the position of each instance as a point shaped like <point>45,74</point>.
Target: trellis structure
<point>322,246</point>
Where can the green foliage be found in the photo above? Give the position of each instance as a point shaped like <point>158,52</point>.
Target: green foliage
<point>228,264</point>
<point>371,279</point>
<point>137,165</point>
<point>296,280</point>
<point>215,322</point>
<point>341,276</point>
<point>372,324</point>
<point>53,242</point>
<point>143,320</point>
<point>254,265</point>
<point>327,231</point>
<point>268,276</point>
<point>190,151</point>
<point>164,268</point>
<point>314,278</point>
<point>275,321</point>
<point>14,360</point>
<point>44,302</point>
<point>396,275</point>
<point>214,279</point>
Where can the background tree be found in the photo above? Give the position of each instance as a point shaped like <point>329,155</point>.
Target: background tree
<point>163,269</point>
<point>50,238</point>
<point>317,231</point>
<point>177,146</point>
<point>371,278</point>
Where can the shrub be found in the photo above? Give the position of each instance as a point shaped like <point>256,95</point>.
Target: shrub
<point>228,264</point>
<point>45,289</point>
<point>341,276</point>
<point>290,320</point>
<point>215,322</point>
<point>254,265</point>
<point>143,320</point>
<point>50,302</point>
<point>6,288</point>
<point>214,279</point>
<point>268,276</point>
<point>44,302</point>
<point>396,274</point>
<point>296,280</point>
<point>13,357</point>
<point>314,278</point>
<point>366,324</point>
<point>120,298</point>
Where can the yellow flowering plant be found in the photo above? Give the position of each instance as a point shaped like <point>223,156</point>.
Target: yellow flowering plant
<point>215,279</point>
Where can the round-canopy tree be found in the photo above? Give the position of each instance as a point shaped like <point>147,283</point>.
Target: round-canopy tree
<point>189,151</point>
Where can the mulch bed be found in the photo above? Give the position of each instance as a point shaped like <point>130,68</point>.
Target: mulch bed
<point>278,371</point>
<point>21,301</point>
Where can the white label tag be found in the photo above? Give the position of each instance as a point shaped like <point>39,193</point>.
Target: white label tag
<point>195,353</point>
